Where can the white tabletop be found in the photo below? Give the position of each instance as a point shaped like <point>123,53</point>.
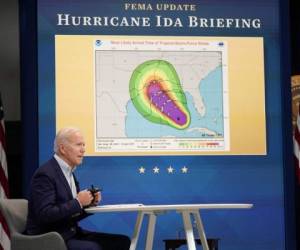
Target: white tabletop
<point>157,208</point>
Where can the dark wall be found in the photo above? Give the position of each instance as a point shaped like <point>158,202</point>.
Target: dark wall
<point>10,91</point>
<point>9,59</point>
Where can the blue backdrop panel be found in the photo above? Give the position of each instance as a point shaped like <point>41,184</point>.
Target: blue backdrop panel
<point>210,179</point>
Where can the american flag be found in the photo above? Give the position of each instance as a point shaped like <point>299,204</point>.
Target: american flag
<point>4,193</point>
<point>297,147</point>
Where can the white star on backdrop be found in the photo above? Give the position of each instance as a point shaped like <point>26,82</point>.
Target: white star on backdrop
<point>170,170</point>
<point>156,170</point>
<point>184,170</point>
<point>142,170</point>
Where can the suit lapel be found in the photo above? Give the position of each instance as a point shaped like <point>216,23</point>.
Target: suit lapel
<point>62,178</point>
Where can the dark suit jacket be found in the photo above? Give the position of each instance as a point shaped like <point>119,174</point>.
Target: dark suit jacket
<point>51,205</point>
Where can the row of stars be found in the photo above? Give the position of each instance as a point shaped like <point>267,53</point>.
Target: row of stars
<point>156,170</point>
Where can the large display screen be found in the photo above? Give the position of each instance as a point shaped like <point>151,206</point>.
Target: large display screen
<point>180,102</point>
<point>138,95</point>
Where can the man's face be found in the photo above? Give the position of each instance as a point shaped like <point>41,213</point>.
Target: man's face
<point>73,150</point>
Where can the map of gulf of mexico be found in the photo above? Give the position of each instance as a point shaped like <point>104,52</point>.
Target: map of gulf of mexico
<point>210,89</point>
<point>122,123</point>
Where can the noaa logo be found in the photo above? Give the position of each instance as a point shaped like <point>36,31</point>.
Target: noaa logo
<point>98,42</point>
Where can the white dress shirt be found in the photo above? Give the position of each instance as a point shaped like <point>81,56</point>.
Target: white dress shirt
<point>68,173</point>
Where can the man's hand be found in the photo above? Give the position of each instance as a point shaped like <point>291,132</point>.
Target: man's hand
<point>84,197</point>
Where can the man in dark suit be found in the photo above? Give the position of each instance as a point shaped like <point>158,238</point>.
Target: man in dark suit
<point>57,204</point>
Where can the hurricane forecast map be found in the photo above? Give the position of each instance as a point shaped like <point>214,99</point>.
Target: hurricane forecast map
<point>161,95</point>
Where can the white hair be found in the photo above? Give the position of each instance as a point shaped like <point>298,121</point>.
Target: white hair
<point>62,137</point>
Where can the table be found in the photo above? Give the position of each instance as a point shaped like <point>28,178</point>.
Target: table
<point>186,210</point>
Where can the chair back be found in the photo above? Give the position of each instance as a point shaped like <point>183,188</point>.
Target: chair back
<point>15,213</point>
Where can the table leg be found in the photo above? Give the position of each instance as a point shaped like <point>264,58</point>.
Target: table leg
<point>150,231</point>
<point>137,230</point>
<point>188,230</point>
<point>200,229</point>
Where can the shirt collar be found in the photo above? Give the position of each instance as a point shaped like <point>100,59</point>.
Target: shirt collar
<point>63,165</point>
